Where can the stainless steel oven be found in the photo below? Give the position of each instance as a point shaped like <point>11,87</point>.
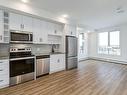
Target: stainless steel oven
<point>21,37</point>
<point>22,65</point>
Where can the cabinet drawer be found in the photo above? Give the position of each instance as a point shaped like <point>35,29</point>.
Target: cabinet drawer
<point>4,62</point>
<point>4,81</point>
<point>4,69</point>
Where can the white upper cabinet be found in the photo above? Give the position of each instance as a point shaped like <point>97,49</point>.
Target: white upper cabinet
<point>36,30</point>
<point>55,29</point>
<point>44,32</point>
<point>71,30</point>
<point>40,32</point>
<point>15,21</point>
<point>20,22</point>
<point>27,23</point>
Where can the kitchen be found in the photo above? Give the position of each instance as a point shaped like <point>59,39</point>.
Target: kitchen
<point>34,47</point>
<point>63,47</point>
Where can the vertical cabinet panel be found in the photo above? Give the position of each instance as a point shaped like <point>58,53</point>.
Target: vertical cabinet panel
<point>4,27</point>
<point>1,26</point>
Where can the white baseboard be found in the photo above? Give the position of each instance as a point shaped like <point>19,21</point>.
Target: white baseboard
<point>108,60</point>
<point>83,59</point>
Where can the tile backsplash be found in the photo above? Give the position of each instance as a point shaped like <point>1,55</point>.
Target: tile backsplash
<point>36,49</point>
<point>41,49</point>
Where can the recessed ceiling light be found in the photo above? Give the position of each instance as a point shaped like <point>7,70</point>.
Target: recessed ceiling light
<point>65,16</point>
<point>25,1</point>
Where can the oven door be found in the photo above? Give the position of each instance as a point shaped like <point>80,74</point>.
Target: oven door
<point>20,37</point>
<point>21,66</point>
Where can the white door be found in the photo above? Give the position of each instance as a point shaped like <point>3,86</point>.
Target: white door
<point>27,24</point>
<point>15,21</point>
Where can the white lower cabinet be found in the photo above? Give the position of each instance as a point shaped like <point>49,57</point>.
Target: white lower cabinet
<point>57,62</point>
<point>4,73</point>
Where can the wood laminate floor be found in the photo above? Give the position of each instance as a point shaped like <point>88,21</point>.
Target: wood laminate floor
<point>91,78</point>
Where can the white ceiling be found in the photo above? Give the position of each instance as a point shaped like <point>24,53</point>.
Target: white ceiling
<point>95,13</point>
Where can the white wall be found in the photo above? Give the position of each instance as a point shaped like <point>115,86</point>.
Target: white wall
<point>93,40</point>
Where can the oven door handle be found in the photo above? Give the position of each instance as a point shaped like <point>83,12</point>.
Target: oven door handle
<point>14,59</point>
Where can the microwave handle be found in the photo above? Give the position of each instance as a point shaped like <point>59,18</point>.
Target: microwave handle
<point>29,37</point>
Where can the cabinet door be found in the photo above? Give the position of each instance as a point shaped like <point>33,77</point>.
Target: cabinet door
<point>57,62</point>
<point>61,62</point>
<point>44,32</point>
<point>71,30</point>
<point>51,28</point>
<point>36,30</point>
<point>27,24</point>
<point>53,63</point>
<point>1,27</point>
<point>58,29</point>
<point>4,73</point>
<point>15,21</point>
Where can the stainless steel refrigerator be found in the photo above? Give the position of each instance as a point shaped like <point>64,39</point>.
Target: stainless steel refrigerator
<point>71,52</point>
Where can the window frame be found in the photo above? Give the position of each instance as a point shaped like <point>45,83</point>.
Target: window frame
<point>84,39</point>
<point>109,43</point>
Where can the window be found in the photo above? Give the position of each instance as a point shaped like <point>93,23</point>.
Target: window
<point>109,43</point>
<point>82,42</point>
<point>103,43</point>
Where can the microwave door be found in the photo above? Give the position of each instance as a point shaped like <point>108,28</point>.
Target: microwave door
<point>21,37</point>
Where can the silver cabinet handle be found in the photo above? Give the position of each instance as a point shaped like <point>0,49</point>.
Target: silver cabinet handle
<point>1,62</point>
<point>58,60</point>
<point>55,31</point>
<point>1,80</point>
<point>71,32</point>
<point>1,70</point>
<point>41,40</point>
<point>1,37</point>
<point>21,26</point>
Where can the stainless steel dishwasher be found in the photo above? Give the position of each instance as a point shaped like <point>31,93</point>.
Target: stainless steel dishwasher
<point>43,65</point>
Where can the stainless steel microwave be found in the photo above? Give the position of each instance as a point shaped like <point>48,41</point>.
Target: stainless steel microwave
<point>21,37</point>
